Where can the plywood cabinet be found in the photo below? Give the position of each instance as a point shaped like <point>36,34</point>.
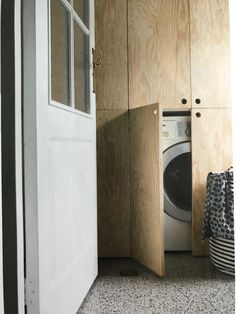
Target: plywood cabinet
<point>210,53</point>
<point>159,53</point>
<point>111,54</point>
<point>111,73</point>
<point>113,183</point>
<point>179,53</point>
<point>175,52</point>
<point>211,152</point>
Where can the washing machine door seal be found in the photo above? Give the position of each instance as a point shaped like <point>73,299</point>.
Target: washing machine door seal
<point>171,155</point>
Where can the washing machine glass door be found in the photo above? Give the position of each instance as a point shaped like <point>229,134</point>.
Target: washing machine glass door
<point>178,181</point>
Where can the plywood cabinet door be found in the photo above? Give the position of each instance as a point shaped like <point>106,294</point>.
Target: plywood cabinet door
<point>147,214</point>
<point>159,53</point>
<point>211,152</point>
<point>113,183</point>
<point>111,54</point>
<point>210,53</point>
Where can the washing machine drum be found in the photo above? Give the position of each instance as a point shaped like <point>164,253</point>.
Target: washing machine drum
<point>178,181</point>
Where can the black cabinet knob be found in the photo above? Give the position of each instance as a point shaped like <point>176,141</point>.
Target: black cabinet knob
<point>198,101</point>
<point>198,114</point>
<point>184,101</point>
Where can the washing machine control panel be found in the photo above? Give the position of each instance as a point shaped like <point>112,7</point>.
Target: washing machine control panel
<point>183,129</point>
<point>169,130</point>
<point>176,128</point>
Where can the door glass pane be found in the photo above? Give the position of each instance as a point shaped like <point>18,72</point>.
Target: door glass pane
<point>81,7</point>
<point>178,181</point>
<point>60,53</point>
<point>81,69</point>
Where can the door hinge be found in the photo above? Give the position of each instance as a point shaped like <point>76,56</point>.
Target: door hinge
<point>94,74</point>
<point>97,63</point>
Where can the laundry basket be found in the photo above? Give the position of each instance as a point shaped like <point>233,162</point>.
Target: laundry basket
<point>222,254</point>
<point>219,220</point>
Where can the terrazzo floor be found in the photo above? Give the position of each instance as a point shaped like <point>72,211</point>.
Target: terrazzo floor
<point>191,285</point>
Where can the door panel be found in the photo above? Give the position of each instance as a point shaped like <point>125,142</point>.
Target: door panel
<point>211,151</point>
<point>159,58</point>
<point>210,53</point>
<point>60,166</point>
<point>111,49</point>
<point>113,183</point>
<point>146,169</point>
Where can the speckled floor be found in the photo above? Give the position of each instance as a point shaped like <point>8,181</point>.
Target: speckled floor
<point>191,285</point>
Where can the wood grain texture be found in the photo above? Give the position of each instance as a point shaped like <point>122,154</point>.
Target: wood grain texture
<point>111,48</point>
<point>113,183</point>
<point>210,53</point>
<point>146,170</point>
<point>159,52</point>
<point>211,151</point>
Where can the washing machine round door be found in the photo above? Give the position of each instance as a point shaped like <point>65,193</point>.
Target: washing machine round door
<point>178,181</point>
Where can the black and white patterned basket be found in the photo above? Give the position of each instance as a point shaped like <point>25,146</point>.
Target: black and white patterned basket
<point>222,255</point>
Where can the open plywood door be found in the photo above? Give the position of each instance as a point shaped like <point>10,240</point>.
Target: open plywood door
<point>147,214</point>
<point>211,152</point>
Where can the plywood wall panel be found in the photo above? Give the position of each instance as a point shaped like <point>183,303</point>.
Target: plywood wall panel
<point>113,183</point>
<point>210,53</point>
<point>111,48</point>
<point>146,170</point>
<point>159,52</point>
<point>211,151</point>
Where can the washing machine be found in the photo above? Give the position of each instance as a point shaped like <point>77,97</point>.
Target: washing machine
<point>177,168</point>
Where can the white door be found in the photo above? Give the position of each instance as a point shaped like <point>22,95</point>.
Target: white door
<point>59,154</point>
